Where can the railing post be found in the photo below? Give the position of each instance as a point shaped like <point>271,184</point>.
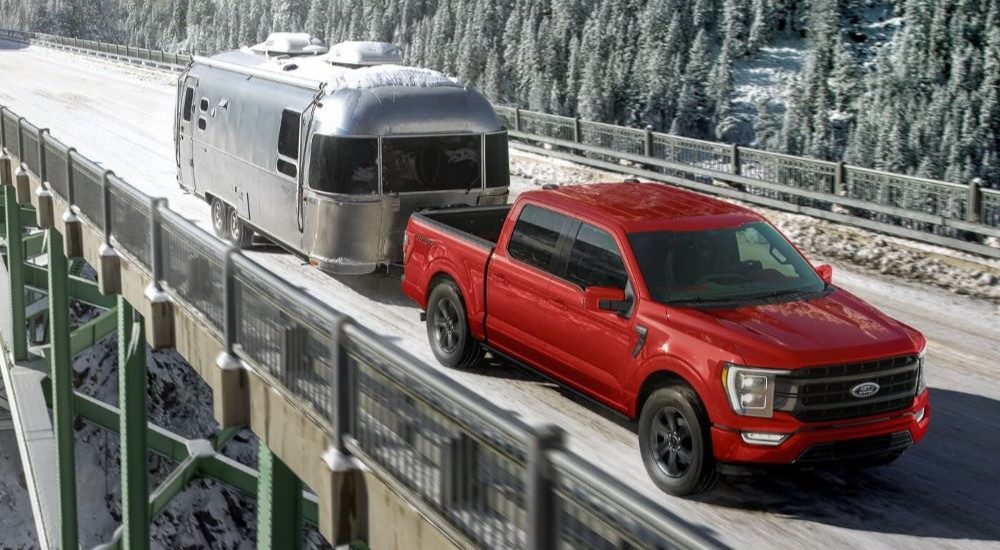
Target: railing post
<point>109,276</point>
<point>647,142</point>
<point>542,505</point>
<point>840,180</point>
<point>73,231</point>
<point>974,201</point>
<point>22,186</point>
<point>736,168</point>
<point>161,325</point>
<point>517,119</point>
<point>229,396</point>
<point>44,215</point>
<point>279,503</point>
<point>576,129</point>
<point>342,394</point>
<point>63,417</point>
<point>132,427</point>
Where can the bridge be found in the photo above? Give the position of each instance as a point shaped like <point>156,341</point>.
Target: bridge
<point>357,436</point>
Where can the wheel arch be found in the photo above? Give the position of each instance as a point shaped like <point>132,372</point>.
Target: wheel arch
<point>440,271</point>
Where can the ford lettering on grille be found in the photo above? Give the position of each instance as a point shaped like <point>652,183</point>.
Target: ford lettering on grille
<point>865,390</point>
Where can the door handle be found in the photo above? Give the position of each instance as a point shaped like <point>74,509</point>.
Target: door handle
<point>558,303</point>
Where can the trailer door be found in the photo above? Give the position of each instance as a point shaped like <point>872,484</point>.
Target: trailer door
<point>186,106</point>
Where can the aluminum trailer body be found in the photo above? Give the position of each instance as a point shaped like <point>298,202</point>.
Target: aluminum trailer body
<point>328,158</point>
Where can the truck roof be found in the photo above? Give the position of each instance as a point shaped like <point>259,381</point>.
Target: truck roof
<point>639,207</point>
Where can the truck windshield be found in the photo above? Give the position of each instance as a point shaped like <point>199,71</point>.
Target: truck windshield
<point>745,263</point>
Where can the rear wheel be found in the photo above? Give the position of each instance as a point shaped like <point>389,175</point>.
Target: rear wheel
<point>220,218</point>
<point>675,443</point>
<point>240,232</point>
<point>448,328</point>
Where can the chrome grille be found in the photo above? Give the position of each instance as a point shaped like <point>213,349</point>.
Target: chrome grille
<point>819,394</point>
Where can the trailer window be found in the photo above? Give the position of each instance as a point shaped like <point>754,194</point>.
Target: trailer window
<point>188,100</point>
<point>288,136</point>
<point>414,164</point>
<point>204,104</point>
<point>497,160</point>
<point>344,165</point>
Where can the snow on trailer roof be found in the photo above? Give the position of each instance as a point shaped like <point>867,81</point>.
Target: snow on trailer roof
<point>354,65</point>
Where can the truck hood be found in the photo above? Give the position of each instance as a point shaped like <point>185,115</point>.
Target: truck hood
<point>834,328</point>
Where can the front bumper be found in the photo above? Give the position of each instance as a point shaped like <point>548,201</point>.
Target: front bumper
<point>858,438</point>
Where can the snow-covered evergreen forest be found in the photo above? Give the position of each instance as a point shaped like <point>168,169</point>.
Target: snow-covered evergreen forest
<point>927,101</point>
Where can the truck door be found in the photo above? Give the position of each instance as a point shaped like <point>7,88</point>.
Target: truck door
<point>186,106</point>
<point>517,285</point>
<point>590,349</point>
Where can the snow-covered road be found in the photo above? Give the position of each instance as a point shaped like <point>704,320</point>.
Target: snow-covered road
<point>944,492</point>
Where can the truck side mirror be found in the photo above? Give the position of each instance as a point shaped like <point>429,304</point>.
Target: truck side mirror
<point>825,272</point>
<point>602,298</point>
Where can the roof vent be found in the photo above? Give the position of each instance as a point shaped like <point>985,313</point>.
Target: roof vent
<point>291,43</point>
<point>364,54</point>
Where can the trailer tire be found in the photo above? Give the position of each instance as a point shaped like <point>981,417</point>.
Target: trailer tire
<point>220,218</point>
<point>240,232</point>
<point>448,328</point>
<point>675,442</point>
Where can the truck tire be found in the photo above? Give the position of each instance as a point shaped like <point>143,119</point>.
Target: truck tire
<point>240,232</point>
<point>220,218</point>
<point>448,328</point>
<point>675,443</point>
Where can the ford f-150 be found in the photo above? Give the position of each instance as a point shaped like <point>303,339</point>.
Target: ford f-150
<point>693,316</point>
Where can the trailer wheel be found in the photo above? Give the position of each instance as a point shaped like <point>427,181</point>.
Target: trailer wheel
<point>220,218</point>
<point>675,443</point>
<point>240,232</point>
<point>448,328</point>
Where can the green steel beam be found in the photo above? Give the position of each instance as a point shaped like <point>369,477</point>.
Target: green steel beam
<point>63,417</point>
<point>29,219</point>
<point>161,441</point>
<point>132,427</point>
<point>79,289</point>
<point>279,503</point>
<point>34,245</point>
<point>174,447</point>
<point>15,261</point>
<point>173,484</point>
<point>93,331</point>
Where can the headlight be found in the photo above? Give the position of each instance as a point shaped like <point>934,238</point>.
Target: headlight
<point>921,367</point>
<point>750,391</point>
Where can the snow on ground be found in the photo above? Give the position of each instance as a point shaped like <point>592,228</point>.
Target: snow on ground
<point>943,493</point>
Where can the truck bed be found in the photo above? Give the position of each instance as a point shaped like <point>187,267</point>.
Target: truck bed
<point>480,224</point>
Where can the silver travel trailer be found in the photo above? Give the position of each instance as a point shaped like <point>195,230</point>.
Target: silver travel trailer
<point>328,151</point>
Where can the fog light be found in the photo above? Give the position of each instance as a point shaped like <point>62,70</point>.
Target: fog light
<point>764,438</point>
<point>920,414</point>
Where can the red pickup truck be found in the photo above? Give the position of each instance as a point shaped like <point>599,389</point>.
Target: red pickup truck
<point>691,315</point>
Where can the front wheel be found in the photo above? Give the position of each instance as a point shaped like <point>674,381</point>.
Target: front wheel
<point>675,442</point>
<point>240,232</point>
<point>448,328</point>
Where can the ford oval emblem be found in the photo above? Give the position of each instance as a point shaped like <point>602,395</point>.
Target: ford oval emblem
<point>865,390</point>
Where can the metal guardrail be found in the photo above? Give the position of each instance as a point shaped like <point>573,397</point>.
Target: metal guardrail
<point>937,212</point>
<point>131,54</point>
<point>483,475</point>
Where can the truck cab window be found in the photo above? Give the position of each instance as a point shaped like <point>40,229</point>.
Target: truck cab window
<point>288,143</point>
<point>535,235</point>
<point>595,260</point>
<point>188,101</point>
